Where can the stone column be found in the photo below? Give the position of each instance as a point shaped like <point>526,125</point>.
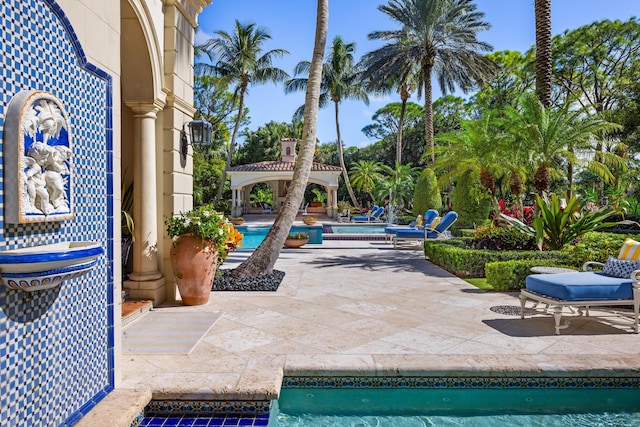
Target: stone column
<point>146,280</point>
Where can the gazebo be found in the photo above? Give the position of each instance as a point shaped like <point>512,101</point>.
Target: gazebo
<point>278,174</point>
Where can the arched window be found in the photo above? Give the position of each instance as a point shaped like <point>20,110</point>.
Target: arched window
<point>288,151</point>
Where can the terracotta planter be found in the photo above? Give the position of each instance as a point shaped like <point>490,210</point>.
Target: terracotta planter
<point>295,243</point>
<point>309,221</point>
<point>237,221</point>
<point>194,261</point>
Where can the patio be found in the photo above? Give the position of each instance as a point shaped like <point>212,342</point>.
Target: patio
<point>361,308</point>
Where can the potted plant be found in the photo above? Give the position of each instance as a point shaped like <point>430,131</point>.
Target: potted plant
<point>319,199</point>
<point>237,220</point>
<point>128,226</point>
<point>309,220</point>
<point>200,243</point>
<point>295,240</point>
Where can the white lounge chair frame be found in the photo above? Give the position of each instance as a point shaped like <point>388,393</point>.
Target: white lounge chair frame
<point>440,236</point>
<point>557,305</point>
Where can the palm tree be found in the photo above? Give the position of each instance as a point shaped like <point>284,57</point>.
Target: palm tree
<point>399,181</point>
<point>552,134</point>
<point>239,58</point>
<point>544,70</point>
<point>340,81</point>
<point>477,148</point>
<point>439,36</point>
<point>265,256</point>
<point>365,174</point>
<point>390,68</point>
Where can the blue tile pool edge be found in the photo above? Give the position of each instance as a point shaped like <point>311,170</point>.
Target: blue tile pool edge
<point>247,410</point>
<point>461,382</point>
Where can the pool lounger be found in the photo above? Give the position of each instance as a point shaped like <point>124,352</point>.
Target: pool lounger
<point>581,289</point>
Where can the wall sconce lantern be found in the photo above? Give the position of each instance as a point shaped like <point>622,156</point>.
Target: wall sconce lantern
<point>200,131</point>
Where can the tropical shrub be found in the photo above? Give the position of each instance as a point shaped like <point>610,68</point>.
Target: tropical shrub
<point>502,239</point>
<point>620,228</point>
<point>426,194</point>
<point>472,205</point>
<point>557,226</point>
<point>595,246</point>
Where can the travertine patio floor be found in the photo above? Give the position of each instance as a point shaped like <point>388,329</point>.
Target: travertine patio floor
<point>363,308</point>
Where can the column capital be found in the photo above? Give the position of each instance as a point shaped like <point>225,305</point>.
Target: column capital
<point>145,108</point>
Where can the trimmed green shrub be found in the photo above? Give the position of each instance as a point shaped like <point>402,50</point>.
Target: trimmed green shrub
<point>511,275</point>
<point>426,194</point>
<point>404,220</point>
<point>596,246</point>
<point>471,204</point>
<point>471,262</point>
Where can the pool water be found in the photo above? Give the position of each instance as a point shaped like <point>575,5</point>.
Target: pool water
<point>254,235</point>
<point>357,229</point>
<point>548,407</point>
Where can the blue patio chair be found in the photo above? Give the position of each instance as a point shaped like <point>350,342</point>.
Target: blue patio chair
<point>429,216</point>
<point>441,231</point>
<point>369,216</point>
<point>303,208</point>
<point>266,208</point>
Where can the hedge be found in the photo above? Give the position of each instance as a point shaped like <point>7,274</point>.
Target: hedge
<point>471,262</point>
<point>511,275</point>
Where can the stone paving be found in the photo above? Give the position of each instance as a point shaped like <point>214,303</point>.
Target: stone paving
<point>363,308</point>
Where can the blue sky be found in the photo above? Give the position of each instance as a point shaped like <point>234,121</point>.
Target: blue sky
<point>292,25</point>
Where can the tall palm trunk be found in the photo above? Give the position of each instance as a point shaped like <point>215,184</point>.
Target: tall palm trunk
<point>543,51</point>
<point>223,178</point>
<point>404,96</point>
<point>265,256</point>
<point>427,68</point>
<point>345,174</point>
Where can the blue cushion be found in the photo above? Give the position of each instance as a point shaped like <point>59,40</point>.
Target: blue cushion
<point>391,229</point>
<point>582,286</point>
<point>410,233</point>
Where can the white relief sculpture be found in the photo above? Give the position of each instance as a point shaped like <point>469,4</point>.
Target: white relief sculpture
<point>38,143</point>
<point>38,196</point>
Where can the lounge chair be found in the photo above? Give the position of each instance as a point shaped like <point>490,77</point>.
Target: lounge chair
<point>391,230</point>
<point>585,289</point>
<point>303,208</point>
<point>372,216</point>
<point>441,231</point>
<point>345,216</point>
<point>266,208</point>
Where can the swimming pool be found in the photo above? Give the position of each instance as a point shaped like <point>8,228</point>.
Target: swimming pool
<point>441,402</point>
<point>255,234</point>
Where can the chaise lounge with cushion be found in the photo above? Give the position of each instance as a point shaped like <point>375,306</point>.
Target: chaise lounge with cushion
<point>372,216</point>
<point>618,284</point>
<point>439,231</point>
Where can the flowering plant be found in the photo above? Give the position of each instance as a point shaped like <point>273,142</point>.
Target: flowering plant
<point>203,222</point>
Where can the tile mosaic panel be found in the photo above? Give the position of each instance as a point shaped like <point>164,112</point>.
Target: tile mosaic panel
<point>56,345</point>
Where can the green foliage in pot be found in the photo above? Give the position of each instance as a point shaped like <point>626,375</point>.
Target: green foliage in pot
<point>203,222</point>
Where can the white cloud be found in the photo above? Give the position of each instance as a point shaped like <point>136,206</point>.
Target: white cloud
<point>201,37</point>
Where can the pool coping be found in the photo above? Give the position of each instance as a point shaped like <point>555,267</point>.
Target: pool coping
<point>126,408</point>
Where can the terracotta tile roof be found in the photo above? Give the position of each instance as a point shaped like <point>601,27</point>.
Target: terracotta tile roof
<point>282,167</point>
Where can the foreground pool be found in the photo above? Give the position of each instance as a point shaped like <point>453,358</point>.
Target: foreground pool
<point>418,401</point>
<point>532,402</point>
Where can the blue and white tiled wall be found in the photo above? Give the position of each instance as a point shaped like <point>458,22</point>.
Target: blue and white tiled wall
<point>57,348</point>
